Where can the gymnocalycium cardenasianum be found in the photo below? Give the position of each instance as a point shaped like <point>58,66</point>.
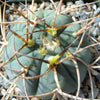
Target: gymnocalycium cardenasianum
<point>46,45</point>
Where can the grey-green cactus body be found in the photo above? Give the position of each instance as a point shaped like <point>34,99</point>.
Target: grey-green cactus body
<point>66,70</point>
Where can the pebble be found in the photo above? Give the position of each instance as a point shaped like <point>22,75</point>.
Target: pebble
<point>13,5</point>
<point>94,7</point>
<point>69,3</point>
<point>97,11</point>
<point>79,2</point>
<point>98,38</point>
<point>95,31</point>
<point>11,18</point>
<point>99,24</point>
<point>3,91</point>
<point>35,99</point>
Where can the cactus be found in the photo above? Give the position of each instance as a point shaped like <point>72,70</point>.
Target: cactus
<point>42,52</point>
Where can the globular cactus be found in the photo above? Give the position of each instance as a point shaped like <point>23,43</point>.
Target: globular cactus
<point>43,51</point>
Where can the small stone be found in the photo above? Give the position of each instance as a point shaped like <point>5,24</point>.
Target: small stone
<point>69,3</point>
<point>99,24</point>
<point>13,5</point>
<point>17,90</point>
<point>7,11</point>
<point>35,99</point>
<point>3,91</point>
<point>98,38</point>
<point>97,11</point>
<point>95,32</point>
<point>20,9</point>
<point>94,7</point>
<point>22,6</point>
<point>63,7</point>
<point>96,22</point>
<point>80,2</point>
<point>11,18</point>
<point>42,6</point>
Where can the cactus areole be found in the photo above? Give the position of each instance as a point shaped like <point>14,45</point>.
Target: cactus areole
<point>66,71</point>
